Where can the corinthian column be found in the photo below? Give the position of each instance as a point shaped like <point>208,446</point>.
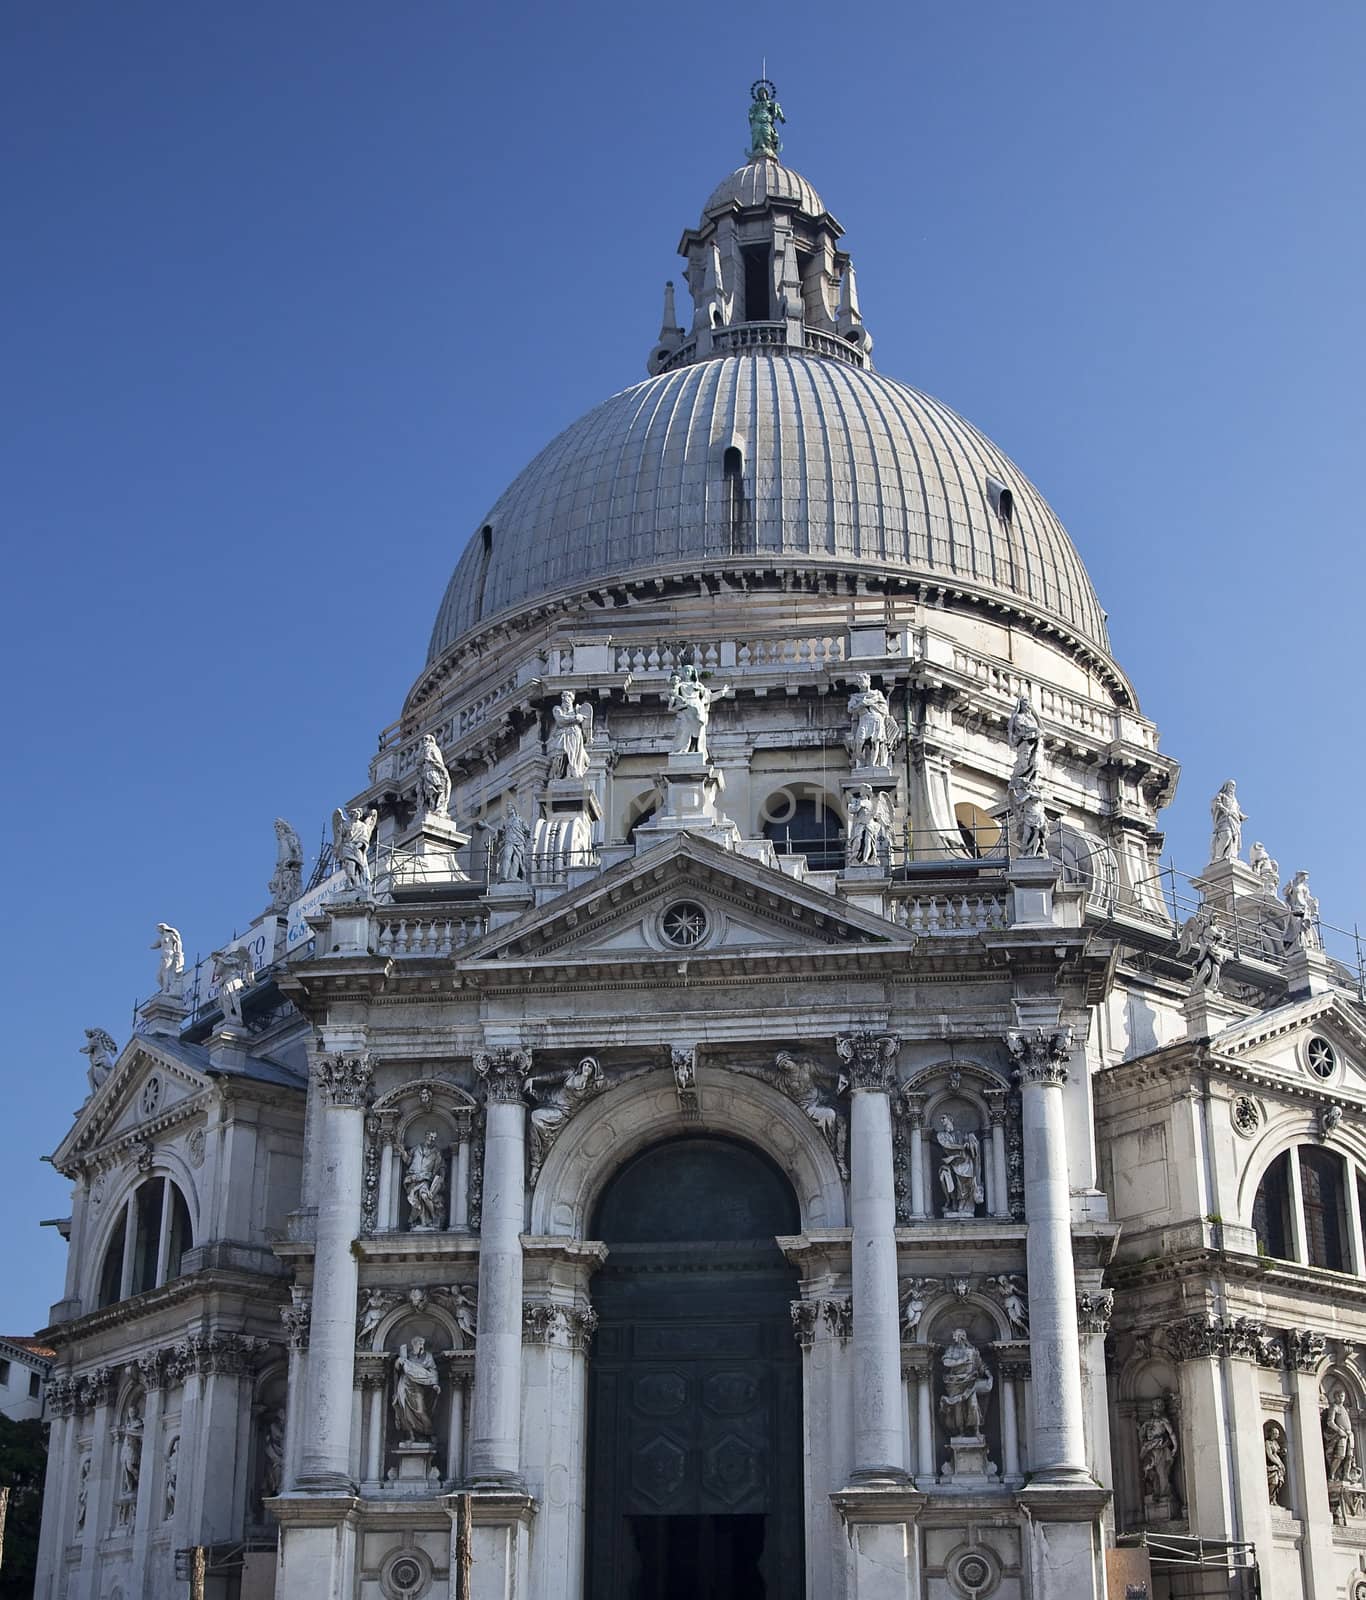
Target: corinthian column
<point>496,1410</point>
<point>325,1458</point>
<point>879,1434</point>
<point>1058,1452</point>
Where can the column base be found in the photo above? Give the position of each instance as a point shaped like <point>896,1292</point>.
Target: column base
<point>1063,1478</point>
<point>879,1478</point>
<point>494,1483</point>
<point>325,1483</point>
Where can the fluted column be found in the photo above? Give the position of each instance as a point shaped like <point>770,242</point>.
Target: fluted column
<point>879,1439</point>
<point>1058,1443</point>
<point>496,1410</point>
<point>325,1460</point>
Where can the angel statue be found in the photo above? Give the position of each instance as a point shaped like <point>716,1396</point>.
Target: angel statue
<point>103,1052</point>
<point>570,735</point>
<point>1228,819</point>
<point>234,974</point>
<point>352,832</point>
<point>869,842</point>
<point>433,781</point>
<point>691,700</point>
<point>561,1097</point>
<point>874,733</point>
<point>171,972</point>
<point>798,1078</point>
<point>1208,946</point>
<point>287,882</point>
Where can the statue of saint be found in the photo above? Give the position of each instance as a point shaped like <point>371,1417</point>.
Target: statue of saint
<point>967,1385</point>
<point>1157,1452</point>
<point>433,781</point>
<point>798,1078</point>
<point>352,832</point>
<point>1228,819</point>
<point>561,1097</point>
<point>424,1184</point>
<point>172,1473</point>
<point>82,1494</point>
<point>1267,870</point>
<point>1204,941</point>
<point>960,1168</point>
<point>234,974</point>
<point>1276,1468</point>
<point>571,732</point>
<point>416,1387</point>
<point>764,116</point>
<point>1302,925</point>
<point>130,1467</point>
<point>171,971</point>
<point>287,884</point>
<point>869,838</point>
<point>1339,1439</point>
<point>874,734</point>
<point>691,701</point>
<point>1029,824</point>
<point>1023,735</point>
<point>273,1453</point>
<point>513,836</point>
<point>102,1052</point>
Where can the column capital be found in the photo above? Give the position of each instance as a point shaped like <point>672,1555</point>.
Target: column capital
<point>870,1058</point>
<point>345,1077</point>
<point>1040,1054</point>
<point>503,1072</point>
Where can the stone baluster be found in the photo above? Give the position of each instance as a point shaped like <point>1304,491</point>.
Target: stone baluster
<point>344,1082</point>
<point>879,1440</point>
<point>1058,1446</point>
<point>495,1420</point>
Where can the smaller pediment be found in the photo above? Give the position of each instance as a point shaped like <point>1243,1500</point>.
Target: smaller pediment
<point>688,897</point>
<point>1316,1043</point>
<point>151,1084</point>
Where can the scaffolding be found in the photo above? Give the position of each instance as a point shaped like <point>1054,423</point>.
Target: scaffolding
<point>1187,1567</point>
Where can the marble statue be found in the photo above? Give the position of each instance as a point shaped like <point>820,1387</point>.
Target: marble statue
<point>1207,945</point>
<point>103,1052</point>
<point>1228,819</point>
<point>273,1453</point>
<point>798,1078</point>
<point>171,971</point>
<point>1023,735</point>
<point>1011,1291</point>
<point>130,1467</point>
<point>874,733</point>
<point>424,1184</point>
<point>433,780</point>
<point>1024,791</point>
<point>869,838</point>
<point>1274,1444</point>
<point>570,735</point>
<point>914,1298</point>
<point>960,1168</point>
<point>82,1494</point>
<point>416,1387</point>
<point>1302,925</point>
<point>377,1302</point>
<point>1339,1439</point>
<point>172,1472</point>
<point>234,974</point>
<point>966,1387</point>
<point>764,116</point>
<point>1029,825</point>
<point>287,882</point>
<point>1267,870</point>
<point>560,1096</point>
<point>1157,1452</point>
<point>465,1309</point>
<point>352,832</point>
<point>511,837</point>
<point>690,700</point>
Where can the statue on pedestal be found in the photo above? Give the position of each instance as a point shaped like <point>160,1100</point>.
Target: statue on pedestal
<point>1023,735</point>
<point>130,1468</point>
<point>416,1387</point>
<point>171,971</point>
<point>1205,942</point>
<point>511,837</point>
<point>433,780</point>
<point>874,733</point>
<point>424,1184</point>
<point>869,840</point>
<point>960,1168</point>
<point>797,1077</point>
<point>764,115</point>
<point>102,1052</point>
<point>690,700</point>
<point>571,733</point>
<point>172,1474</point>
<point>234,974</point>
<point>564,1095</point>
<point>273,1453</point>
<point>287,884</point>
<point>1274,1443</point>
<point>352,832</point>
<point>1228,819</point>
<point>1267,870</point>
<point>967,1385</point>
<point>1024,792</point>
<point>1302,925</point>
<point>1157,1452</point>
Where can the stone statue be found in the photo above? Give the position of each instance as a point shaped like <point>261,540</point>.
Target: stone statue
<point>798,1078</point>
<point>1023,735</point>
<point>130,1467</point>
<point>103,1052</point>
<point>1339,1439</point>
<point>1302,925</point>
<point>561,1097</point>
<point>433,781</point>
<point>172,1472</point>
<point>690,700</point>
<point>287,883</point>
<point>1228,819</point>
<point>874,733</point>
<point>966,1387</point>
<point>960,1168</point>
<point>1157,1452</point>
<point>377,1302</point>
<point>1267,870</point>
<point>424,1184</point>
<point>914,1298</point>
<point>511,836</point>
<point>869,841</point>
<point>570,735</point>
<point>416,1387</point>
<point>1011,1291</point>
<point>1205,942</point>
<point>352,832</point>
<point>234,975</point>
<point>82,1494</point>
<point>273,1453</point>
<point>465,1309</point>
<point>1029,825</point>
<point>1024,792</point>
<point>171,972</point>
<point>764,116</point>
<point>1274,1443</point>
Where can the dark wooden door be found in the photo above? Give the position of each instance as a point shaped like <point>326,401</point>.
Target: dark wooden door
<point>695,1444</point>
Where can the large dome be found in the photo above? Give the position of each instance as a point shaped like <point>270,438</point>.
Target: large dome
<point>836,466</point>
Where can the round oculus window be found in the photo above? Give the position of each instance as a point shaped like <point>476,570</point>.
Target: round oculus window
<point>1322,1058</point>
<point>684,925</point>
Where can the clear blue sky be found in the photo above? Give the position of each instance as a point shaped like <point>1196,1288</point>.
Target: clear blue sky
<point>291,291</point>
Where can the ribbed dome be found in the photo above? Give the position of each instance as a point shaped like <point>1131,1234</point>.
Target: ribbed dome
<point>840,466</point>
<point>762,181</point>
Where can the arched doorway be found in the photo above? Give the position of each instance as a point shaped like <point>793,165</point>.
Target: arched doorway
<point>695,1421</point>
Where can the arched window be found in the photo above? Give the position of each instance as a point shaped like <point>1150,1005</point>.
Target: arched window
<point>1323,1186</point>
<point>148,1243</point>
<point>482,577</point>
<point>803,826</point>
<point>1271,1209</point>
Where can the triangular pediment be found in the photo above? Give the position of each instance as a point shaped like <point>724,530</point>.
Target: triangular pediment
<point>727,903</point>
<point>154,1081</point>
<point>1288,1042</point>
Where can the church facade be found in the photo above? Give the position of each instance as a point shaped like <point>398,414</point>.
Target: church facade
<point>735,1114</point>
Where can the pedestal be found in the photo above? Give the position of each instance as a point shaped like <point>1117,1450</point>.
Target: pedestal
<point>970,1467</point>
<point>1308,972</point>
<point>564,830</point>
<point>163,1015</point>
<point>690,786</point>
<point>507,901</point>
<point>1033,882</point>
<point>1223,883</point>
<point>417,1468</point>
<point>425,856</point>
<point>1207,1013</point>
